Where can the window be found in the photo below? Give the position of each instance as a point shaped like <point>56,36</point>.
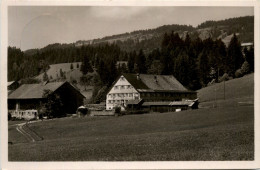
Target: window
<point>130,95</point>
<point>128,87</point>
<point>122,78</point>
<point>116,87</point>
<point>122,87</point>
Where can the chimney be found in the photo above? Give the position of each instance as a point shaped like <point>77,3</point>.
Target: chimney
<point>138,76</point>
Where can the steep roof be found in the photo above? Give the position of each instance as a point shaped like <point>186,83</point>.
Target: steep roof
<point>34,91</point>
<point>137,84</point>
<point>154,82</point>
<point>10,83</point>
<point>168,103</point>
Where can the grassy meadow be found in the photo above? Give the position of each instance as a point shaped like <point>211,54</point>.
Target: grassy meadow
<point>222,132</point>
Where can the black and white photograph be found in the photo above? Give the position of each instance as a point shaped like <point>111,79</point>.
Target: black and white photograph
<point>108,83</point>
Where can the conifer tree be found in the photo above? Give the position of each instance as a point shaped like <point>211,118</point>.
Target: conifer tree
<point>140,62</point>
<point>234,55</point>
<point>181,68</point>
<point>204,68</point>
<point>45,77</point>
<point>131,61</point>
<point>85,66</point>
<point>249,57</point>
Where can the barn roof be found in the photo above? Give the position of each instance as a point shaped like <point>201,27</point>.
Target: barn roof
<point>34,91</point>
<point>154,82</point>
<point>10,83</point>
<point>171,103</point>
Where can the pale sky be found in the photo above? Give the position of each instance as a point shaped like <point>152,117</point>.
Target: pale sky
<point>35,27</point>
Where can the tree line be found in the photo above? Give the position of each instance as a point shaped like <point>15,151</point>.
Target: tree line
<point>194,63</point>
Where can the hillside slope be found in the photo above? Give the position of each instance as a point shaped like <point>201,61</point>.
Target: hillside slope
<point>150,39</point>
<point>72,75</point>
<point>236,88</point>
<point>54,71</point>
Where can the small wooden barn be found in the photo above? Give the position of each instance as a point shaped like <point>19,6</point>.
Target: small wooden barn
<point>30,97</point>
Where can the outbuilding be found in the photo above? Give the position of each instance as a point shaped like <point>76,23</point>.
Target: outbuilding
<point>31,97</point>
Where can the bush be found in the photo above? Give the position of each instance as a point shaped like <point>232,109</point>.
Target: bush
<point>245,68</point>
<point>118,110</point>
<point>40,115</point>
<point>225,77</point>
<point>239,73</point>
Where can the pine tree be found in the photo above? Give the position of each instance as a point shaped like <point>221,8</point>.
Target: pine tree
<point>45,77</point>
<point>249,56</point>
<point>166,62</point>
<point>234,55</point>
<point>187,41</point>
<point>181,68</point>
<point>140,62</point>
<point>85,66</point>
<point>61,73</point>
<point>204,68</point>
<point>166,40</point>
<point>131,61</point>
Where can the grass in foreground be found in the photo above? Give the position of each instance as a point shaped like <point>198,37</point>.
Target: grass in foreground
<point>204,134</point>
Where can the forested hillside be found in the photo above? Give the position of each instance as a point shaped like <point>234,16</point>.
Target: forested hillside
<point>194,61</point>
<point>149,39</point>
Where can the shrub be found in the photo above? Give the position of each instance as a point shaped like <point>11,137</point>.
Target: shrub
<point>239,73</point>
<point>245,68</point>
<point>225,77</point>
<point>40,115</point>
<point>118,110</point>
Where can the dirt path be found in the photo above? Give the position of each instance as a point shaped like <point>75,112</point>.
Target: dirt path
<point>29,134</point>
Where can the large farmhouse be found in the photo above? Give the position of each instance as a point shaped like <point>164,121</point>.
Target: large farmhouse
<point>147,90</point>
<point>25,101</point>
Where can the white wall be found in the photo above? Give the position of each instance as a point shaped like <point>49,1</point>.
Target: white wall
<point>120,93</point>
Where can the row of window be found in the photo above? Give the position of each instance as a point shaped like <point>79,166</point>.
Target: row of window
<point>163,95</point>
<point>123,95</point>
<point>116,101</point>
<point>122,87</point>
<point>24,112</point>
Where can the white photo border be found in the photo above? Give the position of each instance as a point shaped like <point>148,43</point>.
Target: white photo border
<point>125,165</point>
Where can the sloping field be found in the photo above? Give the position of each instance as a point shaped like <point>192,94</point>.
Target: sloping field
<point>54,71</point>
<point>71,74</point>
<point>237,88</point>
<point>204,134</point>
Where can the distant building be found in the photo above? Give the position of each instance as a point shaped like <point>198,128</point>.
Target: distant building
<point>138,89</point>
<point>247,45</point>
<point>28,98</point>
